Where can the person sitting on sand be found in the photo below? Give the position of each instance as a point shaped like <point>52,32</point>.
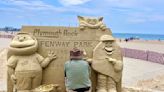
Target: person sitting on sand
<point>77,73</point>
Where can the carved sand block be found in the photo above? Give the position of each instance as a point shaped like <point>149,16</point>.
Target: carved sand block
<point>61,40</point>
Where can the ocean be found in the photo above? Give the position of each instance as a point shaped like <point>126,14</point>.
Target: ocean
<point>140,36</point>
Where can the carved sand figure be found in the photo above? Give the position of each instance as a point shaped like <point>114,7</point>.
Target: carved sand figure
<point>107,62</point>
<point>93,23</point>
<point>25,64</point>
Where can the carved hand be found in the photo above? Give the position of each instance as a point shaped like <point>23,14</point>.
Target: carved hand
<point>13,79</point>
<point>111,60</point>
<point>89,60</point>
<point>84,52</point>
<point>51,55</point>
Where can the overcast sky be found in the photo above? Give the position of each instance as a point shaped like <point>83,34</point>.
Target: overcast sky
<point>122,16</point>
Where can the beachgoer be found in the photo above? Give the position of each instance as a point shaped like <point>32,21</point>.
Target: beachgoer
<point>77,73</point>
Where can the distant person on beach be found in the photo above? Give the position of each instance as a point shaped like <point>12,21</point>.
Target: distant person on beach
<point>126,39</point>
<point>120,40</point>
<point>159,39</point>
<point>77,73</point>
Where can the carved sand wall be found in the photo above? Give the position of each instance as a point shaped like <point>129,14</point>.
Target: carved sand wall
<point>61,40</point>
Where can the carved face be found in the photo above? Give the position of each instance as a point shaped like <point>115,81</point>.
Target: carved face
<point>91,21</point>
<point>108,47</point>
<point>23,43</point>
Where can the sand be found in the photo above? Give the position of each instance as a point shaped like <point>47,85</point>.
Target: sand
<point>3,69</point>
<point>135,70</point>
<point>4,43</point>
<point>144,45</point>
<point>142,74</point>
<point>136,74</point>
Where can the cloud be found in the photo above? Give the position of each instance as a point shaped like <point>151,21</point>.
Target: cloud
<point>136,11</point>
<point>123,9</point>
<point>38,10</point>
<point>122,3</point>
<point>31,5</point>
<point>145,17</point>
<point>24,3</point>
<point>157,17</point>
<point>73,2</point>
<point>137,20</point>
<point>39,5</point>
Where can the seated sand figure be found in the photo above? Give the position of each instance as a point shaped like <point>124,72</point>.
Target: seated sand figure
<point>108,64</point>
<point>93,23</point>
<point>77,73</point>
<point>25,64</point>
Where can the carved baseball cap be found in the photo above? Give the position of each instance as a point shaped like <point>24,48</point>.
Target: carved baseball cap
<point>76,54</point>
<point>107,38</point>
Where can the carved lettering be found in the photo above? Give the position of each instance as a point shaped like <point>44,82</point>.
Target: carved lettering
<point>54,43</point>
<point>82,44</point>
<point>70,33</point>
<point>54,34</point>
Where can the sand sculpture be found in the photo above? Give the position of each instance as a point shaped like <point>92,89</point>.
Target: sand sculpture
<point>90,22</point>
<point>108,64</point>
<point>92,35</point>
<point>25,64</point>
<point>47,88</point>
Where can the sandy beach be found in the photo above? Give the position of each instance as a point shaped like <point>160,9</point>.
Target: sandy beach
<point>140,73</point>
<point>137,73</point>
<point>155,45</point>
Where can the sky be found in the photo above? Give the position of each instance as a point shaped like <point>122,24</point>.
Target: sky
<point>121,16</point>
